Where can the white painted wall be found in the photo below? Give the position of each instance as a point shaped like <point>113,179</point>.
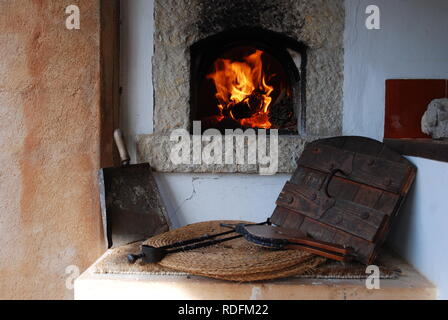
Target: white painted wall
<point>137,18</point>
<point>412,43</point>
<point>420,231</point>
<point>199,197</point>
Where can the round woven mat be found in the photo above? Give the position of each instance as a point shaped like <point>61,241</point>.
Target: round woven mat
<point>236,260</point>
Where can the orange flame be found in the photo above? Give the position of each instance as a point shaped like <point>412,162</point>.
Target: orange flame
<point>243,82</point>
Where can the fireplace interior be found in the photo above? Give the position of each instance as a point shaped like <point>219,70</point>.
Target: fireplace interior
<point>248,78</point>
<point>245,65</point>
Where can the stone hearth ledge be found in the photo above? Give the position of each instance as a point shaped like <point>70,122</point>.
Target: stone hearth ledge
<point>156,148</point>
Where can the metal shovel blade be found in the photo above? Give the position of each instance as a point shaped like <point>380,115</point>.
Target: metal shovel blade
<point>131,205</point>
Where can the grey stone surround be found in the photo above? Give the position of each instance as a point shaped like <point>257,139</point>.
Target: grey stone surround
<point>180,23</point>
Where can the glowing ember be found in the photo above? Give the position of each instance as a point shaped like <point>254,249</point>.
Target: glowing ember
<point>242,91</point>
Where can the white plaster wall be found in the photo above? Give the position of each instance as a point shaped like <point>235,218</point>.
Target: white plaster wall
<point>199,197</point>
<point>137,25</point>
<point>420,232</point>
<point>412,43</point>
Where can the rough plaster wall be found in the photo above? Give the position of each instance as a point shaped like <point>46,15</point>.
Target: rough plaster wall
<point>49,142</point>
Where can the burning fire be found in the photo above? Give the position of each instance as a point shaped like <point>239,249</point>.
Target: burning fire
<point>242,91</point>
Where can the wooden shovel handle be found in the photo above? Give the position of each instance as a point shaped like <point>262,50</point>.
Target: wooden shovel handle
<point>321,245</point>
<point>121,146</point>
<point>320,252</point>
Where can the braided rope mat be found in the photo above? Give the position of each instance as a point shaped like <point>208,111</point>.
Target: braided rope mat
<point>235,260</point>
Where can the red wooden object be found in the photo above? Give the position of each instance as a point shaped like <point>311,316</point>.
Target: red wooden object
<point>406,101</point>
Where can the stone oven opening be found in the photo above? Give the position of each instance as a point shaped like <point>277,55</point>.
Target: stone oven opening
<point>248,78</point>
<point>279,66</point>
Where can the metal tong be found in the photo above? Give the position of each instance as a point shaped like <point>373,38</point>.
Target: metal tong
<point>283,238</point>
<point>150,254</point>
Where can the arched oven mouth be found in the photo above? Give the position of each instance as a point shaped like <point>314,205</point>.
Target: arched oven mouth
<point>248,78</point>
<point>300,43</point>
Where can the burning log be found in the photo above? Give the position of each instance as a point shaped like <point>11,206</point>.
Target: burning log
<point>246,108</point>
<point>256,100</point>
<point>239,110</point>
<point>242,91</point>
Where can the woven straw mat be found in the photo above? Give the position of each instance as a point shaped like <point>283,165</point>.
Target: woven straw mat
<point>235,260</point>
